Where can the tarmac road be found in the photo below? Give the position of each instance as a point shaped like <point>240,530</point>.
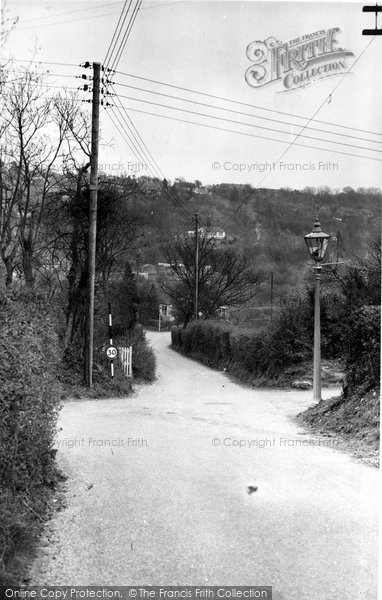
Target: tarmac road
<point>157,492</point>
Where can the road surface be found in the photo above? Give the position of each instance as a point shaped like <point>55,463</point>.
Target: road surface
<point>157,492</point>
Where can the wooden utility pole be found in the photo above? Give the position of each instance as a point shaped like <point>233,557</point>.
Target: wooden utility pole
<point>93,188</point>
<point>271,295</point>
<point>196,307</point>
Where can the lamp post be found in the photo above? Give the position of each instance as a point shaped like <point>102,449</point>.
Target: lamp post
<point>317,242</point>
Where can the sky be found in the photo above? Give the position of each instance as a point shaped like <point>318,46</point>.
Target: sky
<point>202,47</point>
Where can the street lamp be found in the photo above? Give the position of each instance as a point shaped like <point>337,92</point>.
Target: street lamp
<point>317,242</point>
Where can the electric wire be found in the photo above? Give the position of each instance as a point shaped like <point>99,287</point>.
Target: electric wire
<point>116,36</point>
<point>251,134</point>
<point>117,58</point>
<point>133,135</point>
<point>71,12</point>
<point>247,124</point>
<point>153,170</point>
<point>294,142</point>
<point>41,62</point>
<point>138,134</point>
<point>216,97</point>
<point>155,179</point>
<point>230,110</point>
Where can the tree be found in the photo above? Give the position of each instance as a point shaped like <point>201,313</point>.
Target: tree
<point>118,226</point>
<point>35,130</point>
<point>234,196</point>
<point>118,234</point>
<point>225,277</point>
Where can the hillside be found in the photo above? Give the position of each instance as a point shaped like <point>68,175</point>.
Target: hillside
<point>269,225</point>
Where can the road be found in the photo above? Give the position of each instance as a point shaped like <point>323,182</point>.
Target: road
<point>169,507</point>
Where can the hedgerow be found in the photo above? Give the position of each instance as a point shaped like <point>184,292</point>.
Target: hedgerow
<point>252,355</point>
<point>362,365</point>
<point>143,360</point>
<point>29,358</point>
<point>274,355</point>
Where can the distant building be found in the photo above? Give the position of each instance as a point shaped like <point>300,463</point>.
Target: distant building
<point>211,233</point>
<point>202,191</point>
<point>219,234</point>
<point>222,312</point>
<point>166,313</point>
<point>148,272</point>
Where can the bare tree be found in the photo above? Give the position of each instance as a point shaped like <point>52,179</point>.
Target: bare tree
<point>225,277</point>
<point>35,131</point>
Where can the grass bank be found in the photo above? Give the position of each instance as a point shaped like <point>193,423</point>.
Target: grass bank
<point>354,421</point>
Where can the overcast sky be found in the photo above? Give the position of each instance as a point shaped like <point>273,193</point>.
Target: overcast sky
<point>201,46</point>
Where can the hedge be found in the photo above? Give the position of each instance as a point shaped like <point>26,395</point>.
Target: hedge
<point>276,354</point>
<point>249,355</point>
<point>363,349</point>
<point>29,357</point>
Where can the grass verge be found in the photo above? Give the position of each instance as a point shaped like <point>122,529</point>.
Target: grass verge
<point>354,421</point>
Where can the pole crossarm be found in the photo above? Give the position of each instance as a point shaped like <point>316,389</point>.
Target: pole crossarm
<point>373,9</point>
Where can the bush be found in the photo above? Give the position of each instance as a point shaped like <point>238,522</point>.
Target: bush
<point>29,357</point>
<point>175,337</point>
<point>144,361</point>
<point>251,355</point>
<point>363,350</point>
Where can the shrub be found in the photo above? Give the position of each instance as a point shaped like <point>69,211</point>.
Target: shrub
<point>363,349</point>
<point>144,361</point>
<point>250,355</point>
<point>175,337</point>
<point>29,356</point>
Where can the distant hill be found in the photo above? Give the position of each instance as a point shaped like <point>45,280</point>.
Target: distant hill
<point>267,224</point>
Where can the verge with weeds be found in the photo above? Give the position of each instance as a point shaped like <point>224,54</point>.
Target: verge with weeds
<point>34,380</point>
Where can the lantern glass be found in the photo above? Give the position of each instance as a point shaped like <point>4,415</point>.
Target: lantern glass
<point>317,242</point>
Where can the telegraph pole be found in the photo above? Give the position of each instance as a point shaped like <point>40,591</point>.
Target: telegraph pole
<point>196,307</point>
<point>271,295</point>
<point>93,188</point>
<point>375,9</point>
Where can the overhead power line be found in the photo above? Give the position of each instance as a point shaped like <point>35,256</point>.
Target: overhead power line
<point>145,112</point>
<point>294,142</point>
<point>238,112</point>
<point>140,138</point>
<point>114,40</point>
<point>135,141</point>
<point>141,155</point>
<point>199,114</point>
<point>42,73</point>
<point>117,57</point>
<point>53,16</point>
<point>41,62</point>
<point>272,110</point>
<point>65,22</point>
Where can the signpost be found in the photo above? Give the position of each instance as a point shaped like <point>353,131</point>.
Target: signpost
<point>111,352</point>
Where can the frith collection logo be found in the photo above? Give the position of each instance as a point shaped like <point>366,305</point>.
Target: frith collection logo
<point>297,63</point>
